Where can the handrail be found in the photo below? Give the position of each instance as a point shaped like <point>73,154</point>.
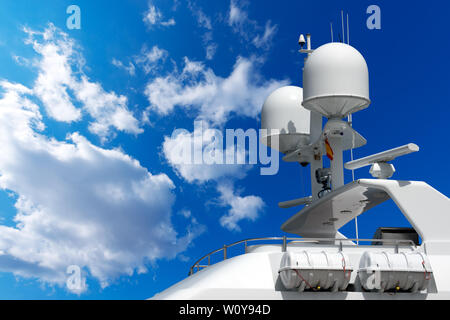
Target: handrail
<point>285,243</point>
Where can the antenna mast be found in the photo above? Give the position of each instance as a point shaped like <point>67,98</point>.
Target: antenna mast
<point>331,30</point>
<point>348,32</point>
<point>350,122</point>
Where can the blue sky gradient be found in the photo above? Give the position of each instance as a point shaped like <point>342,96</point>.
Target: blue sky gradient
<point>129,51</point>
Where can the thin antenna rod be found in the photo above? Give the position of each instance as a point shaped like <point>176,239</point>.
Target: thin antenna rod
<point>342,20</point>
<point>331,29</point>
<point>348,32</point>
<point>350,122</point>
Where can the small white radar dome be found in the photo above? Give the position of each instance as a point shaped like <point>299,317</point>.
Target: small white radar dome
<point>336,81</point>
<point>283,111</point>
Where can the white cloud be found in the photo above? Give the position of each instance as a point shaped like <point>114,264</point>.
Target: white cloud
<point>130,68</point>
<point>168,23</point>
<point>249,29</point>
<point>55,72</point>
<point>221,174</point>
<point>241,208</point>
<point>215,98</point>
<point>78,204</point>
<point>204,22</point>
<point>185,213</point>
<point>211,49</point>
<point>150,60</point>
<point>153,17</point>
<point>202,19</point>
<point>265,40</point>
<point>181,149</point>
<point>22,61</point>
<point>108,109</point>
<point>236,16</point>
<point>61,82</point>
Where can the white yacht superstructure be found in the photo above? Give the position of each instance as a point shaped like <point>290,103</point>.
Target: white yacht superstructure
<point>322,263</point>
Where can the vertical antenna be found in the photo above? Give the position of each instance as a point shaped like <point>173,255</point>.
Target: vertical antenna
<point>350,121</point>
<point>331,29</point>
<point>342,20</point>
<point>348,32</point>
<point>308,41</point>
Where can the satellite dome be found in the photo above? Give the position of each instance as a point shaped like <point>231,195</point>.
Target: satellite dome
<point>283,111</point>
<point>336,81</point>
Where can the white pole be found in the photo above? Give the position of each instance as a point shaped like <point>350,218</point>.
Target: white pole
<point>348,32</point>
<point>315,133</point>
<point>308,41</point>
<point>331,30</point>
<point>350,121</point>
<point>337,164</point>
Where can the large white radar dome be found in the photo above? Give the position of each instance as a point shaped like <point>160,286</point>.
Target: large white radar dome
<point>336,81</point>
<point>283,111</point>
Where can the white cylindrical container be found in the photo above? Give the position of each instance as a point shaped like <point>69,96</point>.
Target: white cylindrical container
<point>283,111</point>
<point>311,270</point>
<point>335,81</point>
<point>383,271</point>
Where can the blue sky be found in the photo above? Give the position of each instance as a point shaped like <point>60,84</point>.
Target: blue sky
<point>87,115</point>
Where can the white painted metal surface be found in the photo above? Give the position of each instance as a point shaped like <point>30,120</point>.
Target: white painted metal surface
<point>382,170</point>
<point>335,81</point>
<point>315,270</point>
<point>283,111</point>
<point>384,156</point>
<point>351,139</point>
<point>295,202</point>
<point>407,271</point>
<point>324,217</point>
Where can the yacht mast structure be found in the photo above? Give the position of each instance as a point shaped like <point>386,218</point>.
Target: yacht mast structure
<point>335,85</point>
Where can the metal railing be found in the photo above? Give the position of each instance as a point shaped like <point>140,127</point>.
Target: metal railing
<point>197,266</point>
